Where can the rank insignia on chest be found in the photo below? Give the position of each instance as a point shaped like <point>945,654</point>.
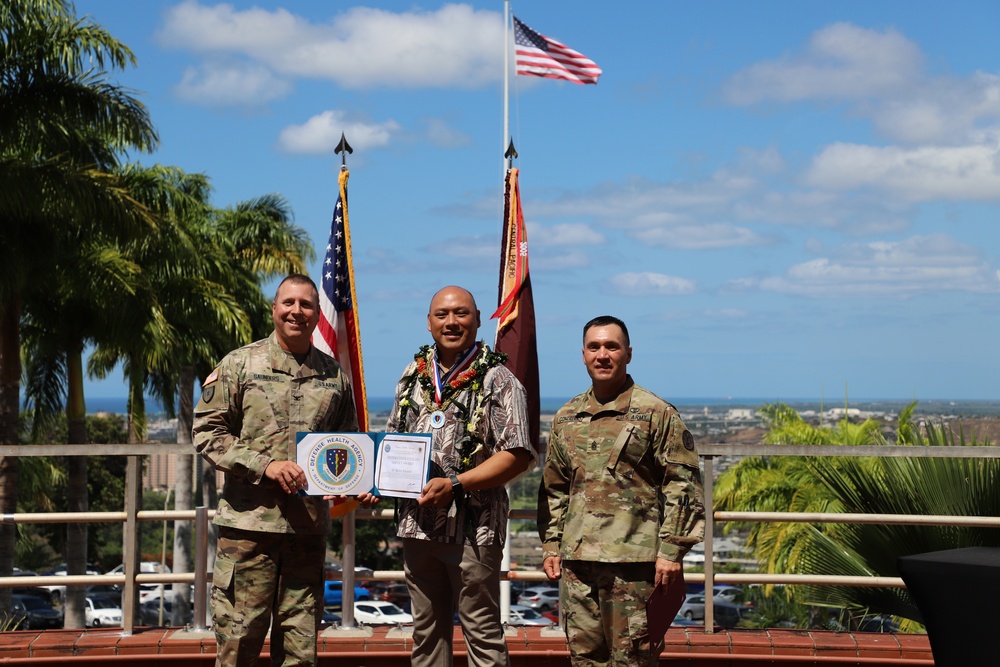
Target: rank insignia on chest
<point>593,446</point>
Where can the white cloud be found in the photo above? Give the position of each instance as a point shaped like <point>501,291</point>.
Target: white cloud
<point>442,135</point>
<point>730,208</point>
<point>882,75</point>
<point>920,174</point>
<point>920,264</point>
<point>649,283</point>
<point>478,248</point>
<point>566,234</point>
<point>841,61</point>
<point>699,237</point>
<point>321,134</point>
<point>454,46</point>
<point>573,258</point>
<point>228,84</point>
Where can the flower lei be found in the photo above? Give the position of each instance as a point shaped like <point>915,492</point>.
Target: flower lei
<point>471,378</point>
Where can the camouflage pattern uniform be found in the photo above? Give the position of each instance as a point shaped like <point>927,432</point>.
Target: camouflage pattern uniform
<point>452,555</point>
<point>272,545</point>
<point>621,487</point>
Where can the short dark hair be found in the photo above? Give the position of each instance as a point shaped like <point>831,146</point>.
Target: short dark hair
<point>295,279</point>
<point>603,321</point>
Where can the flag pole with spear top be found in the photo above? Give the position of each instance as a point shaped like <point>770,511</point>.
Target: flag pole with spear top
<point>338,334</point>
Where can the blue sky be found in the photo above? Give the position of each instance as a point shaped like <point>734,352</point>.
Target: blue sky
<point>781,199</point>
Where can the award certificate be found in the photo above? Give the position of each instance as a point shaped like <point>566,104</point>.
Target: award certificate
<point>403,464</point>
<point>349,464</point>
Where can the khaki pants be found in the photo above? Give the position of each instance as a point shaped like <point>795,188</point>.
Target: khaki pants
<point>443,578</point>
<point>258,576</point>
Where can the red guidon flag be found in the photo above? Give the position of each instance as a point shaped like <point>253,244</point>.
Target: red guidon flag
<point>516,313</point>
<point>338,333</point>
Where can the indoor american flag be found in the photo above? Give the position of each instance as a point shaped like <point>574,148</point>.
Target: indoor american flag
<point>538,55</point>
<point>338,333</point>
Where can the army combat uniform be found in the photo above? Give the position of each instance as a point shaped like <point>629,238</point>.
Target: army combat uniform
<point>621,487</point>
<point>272,545</point>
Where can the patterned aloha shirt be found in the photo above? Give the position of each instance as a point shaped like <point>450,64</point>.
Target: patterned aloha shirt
<point>503,425</point>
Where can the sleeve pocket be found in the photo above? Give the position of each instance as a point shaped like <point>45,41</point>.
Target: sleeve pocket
<point>222,573</point>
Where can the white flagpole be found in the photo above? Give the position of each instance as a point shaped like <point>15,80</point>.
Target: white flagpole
<point>506,86</point>
<point>505,558</point>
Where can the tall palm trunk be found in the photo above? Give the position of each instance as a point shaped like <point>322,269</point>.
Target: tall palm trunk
<point>183,495</point>
<point>136,402</point>
<point>10,384</point>
<point>77,498</point>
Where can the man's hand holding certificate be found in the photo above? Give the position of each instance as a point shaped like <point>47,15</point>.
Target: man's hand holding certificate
<point>350,464</point>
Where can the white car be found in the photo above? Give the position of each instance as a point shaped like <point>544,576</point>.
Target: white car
<point>145,567</point>
<point>57,593</point>
<point>380,613</point>
<point>101,612</point>
<point>149,592</point>
<point>521,615</point>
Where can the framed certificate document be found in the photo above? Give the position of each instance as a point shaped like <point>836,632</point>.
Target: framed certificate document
<point>396,465</point>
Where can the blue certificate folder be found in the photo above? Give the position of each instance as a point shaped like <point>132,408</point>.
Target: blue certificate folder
<point>396,465</point>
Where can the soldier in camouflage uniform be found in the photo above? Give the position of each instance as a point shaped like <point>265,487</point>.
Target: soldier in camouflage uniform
<point>272,541</point>
<point>620,503</point>
<point>453,534</point>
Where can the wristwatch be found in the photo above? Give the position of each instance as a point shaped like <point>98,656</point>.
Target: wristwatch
<point>456,486</point>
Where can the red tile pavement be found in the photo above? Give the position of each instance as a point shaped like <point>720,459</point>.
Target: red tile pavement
<point>529,647</point>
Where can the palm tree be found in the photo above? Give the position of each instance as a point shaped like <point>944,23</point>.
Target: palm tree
<point>61,125</point>
<point>882,485</point>
<point>199,296</point>
<point>259,237</point>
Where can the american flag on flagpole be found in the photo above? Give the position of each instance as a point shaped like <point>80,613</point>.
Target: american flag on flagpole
<point>338,333</point>
<point>538,55</point>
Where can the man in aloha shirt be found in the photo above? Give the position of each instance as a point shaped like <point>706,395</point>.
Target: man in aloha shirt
<point>453,535</point>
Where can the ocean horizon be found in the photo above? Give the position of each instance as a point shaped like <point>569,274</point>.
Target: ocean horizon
<point>549,404</point>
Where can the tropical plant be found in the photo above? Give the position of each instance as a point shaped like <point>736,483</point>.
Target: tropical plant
<point>62,124</point>
<point>956,486</point>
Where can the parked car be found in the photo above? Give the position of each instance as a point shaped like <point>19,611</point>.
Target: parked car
<point>153,592</point>
<point>727,614</point>
<point>109,591</point>
<point>520,615</point>
<point>693,607</point>
<point>398,594</point>
<point>736,595</point>
<point>682,622</point>
<point>149,613</point>
<point>145,567</point>
<point>31,612</point>
<point>329,618</point>
<point>149,592</point>
<point>57,593</point>
<point>380,613</point>
<point>333,593</point>
<point>552,614</point>
<point>101,612</point>
<point>37,591</point>
<point>539,598</point>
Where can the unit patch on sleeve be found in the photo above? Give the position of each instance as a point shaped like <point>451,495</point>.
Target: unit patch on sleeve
<point>688,441</point>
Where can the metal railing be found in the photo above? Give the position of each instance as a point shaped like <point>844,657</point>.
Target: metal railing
<point>132,514</point>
